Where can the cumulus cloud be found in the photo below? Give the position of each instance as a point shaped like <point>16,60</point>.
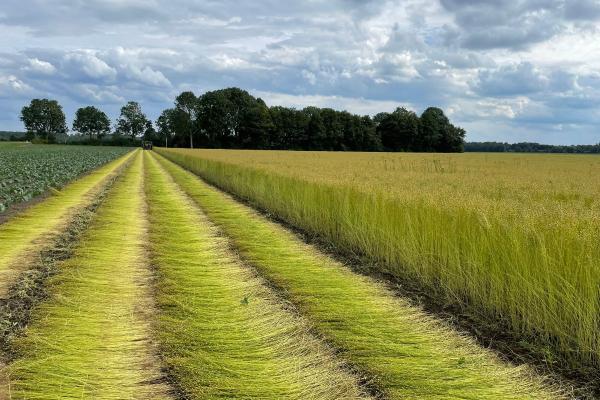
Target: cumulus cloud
<point>582,9</point>
<point>225,61</point>
<point>91,65</point>
<point>99,94</point>
<point>489,24</point>
<point>39,66</point>
<point>147,75</point>
<point>12,85</point>
<point>511,80</point>
<point>515,70</point>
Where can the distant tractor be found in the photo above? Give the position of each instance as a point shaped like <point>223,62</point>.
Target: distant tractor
<point>147,145</point>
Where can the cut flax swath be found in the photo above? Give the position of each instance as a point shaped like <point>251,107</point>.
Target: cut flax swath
<point>28,232</point>
<point>91,338</point>
<point>223,334</point>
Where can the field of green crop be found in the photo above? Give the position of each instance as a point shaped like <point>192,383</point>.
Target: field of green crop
<point>28,170</point>
<point>173,289</point>
<point>508,238</point>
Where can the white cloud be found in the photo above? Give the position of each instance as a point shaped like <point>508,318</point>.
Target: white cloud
<point>529,65</point>
<point>10,84</point>
<point>225,61</point>
<point>309,76</point>
<point>99,94</point>
<point>355,105</point>
<point>204,21</point>
<point>39,66</point>
<point>147,75</point>
<point>91,65</point>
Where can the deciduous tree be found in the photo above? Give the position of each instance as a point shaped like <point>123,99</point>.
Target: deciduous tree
<point>132,121</point>
<point>186,107</point>
<point>438,134</point>
<point>165,125</point>
<point>44,118</point>
<point>91,121</point>
<point>399,131</point>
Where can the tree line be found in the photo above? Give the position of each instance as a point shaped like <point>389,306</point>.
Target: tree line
<point>12,136</point>
<point>529,147</point>
<point>45,122</point>
<point>232,118</point>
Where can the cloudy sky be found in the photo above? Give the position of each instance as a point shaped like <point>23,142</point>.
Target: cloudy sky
<point>519,70</point>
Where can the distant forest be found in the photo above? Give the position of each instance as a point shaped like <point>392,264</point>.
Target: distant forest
<point>526,147</point>
<point>233,119</point>
<point>11,135</point>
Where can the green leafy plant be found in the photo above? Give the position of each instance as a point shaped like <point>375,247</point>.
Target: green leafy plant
<point>27,171</point>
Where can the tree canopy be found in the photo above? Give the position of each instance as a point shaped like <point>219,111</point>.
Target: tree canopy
<point>44,118</point>
<point>232,118</point>
<point>91,121</point>
<point>165,125</point>
<point>185,114</point>
<point>528,147</point>
<point>132,121</point>
<point>399,130</point>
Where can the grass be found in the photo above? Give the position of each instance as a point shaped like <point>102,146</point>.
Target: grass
<point>223,334</point>
<point>90,339</point>
<point>406,353</point>
<point>29,230</point>
<point>510,237</point>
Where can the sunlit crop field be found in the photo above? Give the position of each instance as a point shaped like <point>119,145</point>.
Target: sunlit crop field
<point>27,170</point>
<point>141,279</point>
<point>512,236</point>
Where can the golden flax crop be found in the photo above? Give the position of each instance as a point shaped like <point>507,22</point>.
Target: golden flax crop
<point>511,236</point>
<point>403,352</point>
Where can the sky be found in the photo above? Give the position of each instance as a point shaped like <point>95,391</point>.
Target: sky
<point>519,70</point>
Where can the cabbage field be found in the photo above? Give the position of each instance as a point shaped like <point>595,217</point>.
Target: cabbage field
<point>28,170</point>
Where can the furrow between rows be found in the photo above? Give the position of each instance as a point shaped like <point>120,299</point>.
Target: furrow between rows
<point>406,353</point>
<point>222,332</point>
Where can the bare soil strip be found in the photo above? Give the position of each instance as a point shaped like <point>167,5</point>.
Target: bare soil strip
<point>407,353</point>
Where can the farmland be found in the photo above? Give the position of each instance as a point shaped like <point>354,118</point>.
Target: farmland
<point>27,171</point>
<point>169,288</point>
<point>510,239</point>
